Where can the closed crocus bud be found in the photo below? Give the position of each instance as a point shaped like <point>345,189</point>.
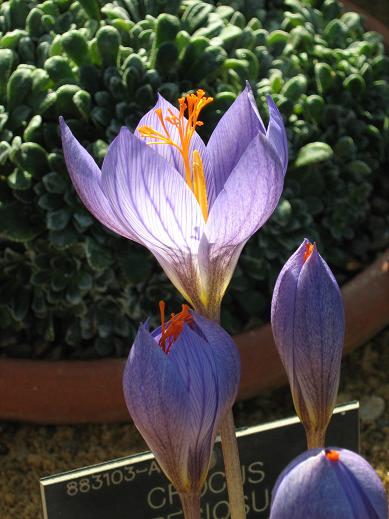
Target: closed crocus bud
<point>308,327</point>
<point>179,382</point>
<point>329,484</point>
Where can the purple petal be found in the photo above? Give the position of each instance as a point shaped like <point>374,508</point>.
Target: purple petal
<point>232,135</point>
<point>247,200</point>
<point>276,133</point>
<point>149,197</point>
<point>86,177</point>
<point>156,399</point>
<point>314,486</point>
<point>201,374</point>
<point>308,327</point>
<point>170,153</point>
<point>208,360</point>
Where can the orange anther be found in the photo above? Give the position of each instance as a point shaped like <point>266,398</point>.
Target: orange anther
<point>193,103</point>
<point>308,250</point>
<point>173,328</point>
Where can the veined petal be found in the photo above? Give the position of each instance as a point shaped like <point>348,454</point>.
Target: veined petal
<point>86,178</point>
<point>150,198</point>
<point>247,200</point>
<point>226,357</point>
<point>249,196</point>
<point>308,327</point>
<point>183,271</point>
<point>156,398</point>
<point>170,153</point>
<point>334,482</point>
<point>177,400</point>
<point>207,359</point>
<point>318,337</point>
<point>233,133</point>
<point>283,301</point>
<point>276,133</point>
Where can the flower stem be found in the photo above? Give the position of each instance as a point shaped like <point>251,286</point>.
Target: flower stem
<point>232,467</point>
<point>190,505</point>
<point>315,438</point>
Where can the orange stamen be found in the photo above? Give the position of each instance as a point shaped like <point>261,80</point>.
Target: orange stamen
<point>173,328</point>
<point>308,250</point>
<point>194,176</point>
<point>332,455</point>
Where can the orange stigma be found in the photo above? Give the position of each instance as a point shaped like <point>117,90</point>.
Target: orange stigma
<point>332,455</point>
<point>171,330</point>
<point>194,171</point>
<point>308,250</point>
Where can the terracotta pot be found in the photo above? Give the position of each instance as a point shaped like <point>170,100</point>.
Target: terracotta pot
<point>58,392</point>
<point>91,391</point>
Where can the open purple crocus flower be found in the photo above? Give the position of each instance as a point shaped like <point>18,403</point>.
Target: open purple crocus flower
<point>307,319</point>
<point>193,206</point>
<point>332,483</point>
<point>179,382</point>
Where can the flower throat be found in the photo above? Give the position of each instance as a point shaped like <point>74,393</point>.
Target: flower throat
<point>194,171</point>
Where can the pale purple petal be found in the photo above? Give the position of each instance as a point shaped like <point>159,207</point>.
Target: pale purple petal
<point>232,135</point>
<point>226,357</point>
<point>283,302</point>
<point>170,153</point>
<point>86,177</point>
<point>208,360</point>
<point>182,395</point>
<point>318,334</point>
<point>276,133</point>
<point>247,200</point>
<point>314,486</point>
<point>182,270</point>
<point>150,198</point>
<point>308,327</point>
<point>157,402</point>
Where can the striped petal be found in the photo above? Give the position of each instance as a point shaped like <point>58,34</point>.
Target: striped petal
<point>152,201</point>
<point>308,328</point>
<point>177,400</point>
<point>153,393</point>
<point>233,133</point>
<point>335,483</point>
<point>170,153</point>
<point>149,197</point>
<point>247,200</point>
<point>86,178</point>
<point>276,133</point>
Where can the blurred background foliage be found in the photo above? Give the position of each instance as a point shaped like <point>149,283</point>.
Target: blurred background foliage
<point>71,289</point>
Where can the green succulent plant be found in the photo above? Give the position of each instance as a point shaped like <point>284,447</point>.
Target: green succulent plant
<point>71,289</point>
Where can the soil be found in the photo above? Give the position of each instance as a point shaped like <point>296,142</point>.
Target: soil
<point>28,452</point>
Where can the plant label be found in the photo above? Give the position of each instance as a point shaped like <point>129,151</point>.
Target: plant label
<point>134,487</point>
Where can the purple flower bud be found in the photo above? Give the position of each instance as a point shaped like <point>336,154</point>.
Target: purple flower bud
<point>308,328</point>
<point>179,382</point>
<point>329,484</point>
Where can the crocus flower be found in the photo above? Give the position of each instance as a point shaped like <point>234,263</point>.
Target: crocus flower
<point>179,382</point>
<point>308,327</point>
<point>193,206</point>
<point>329,484</point>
